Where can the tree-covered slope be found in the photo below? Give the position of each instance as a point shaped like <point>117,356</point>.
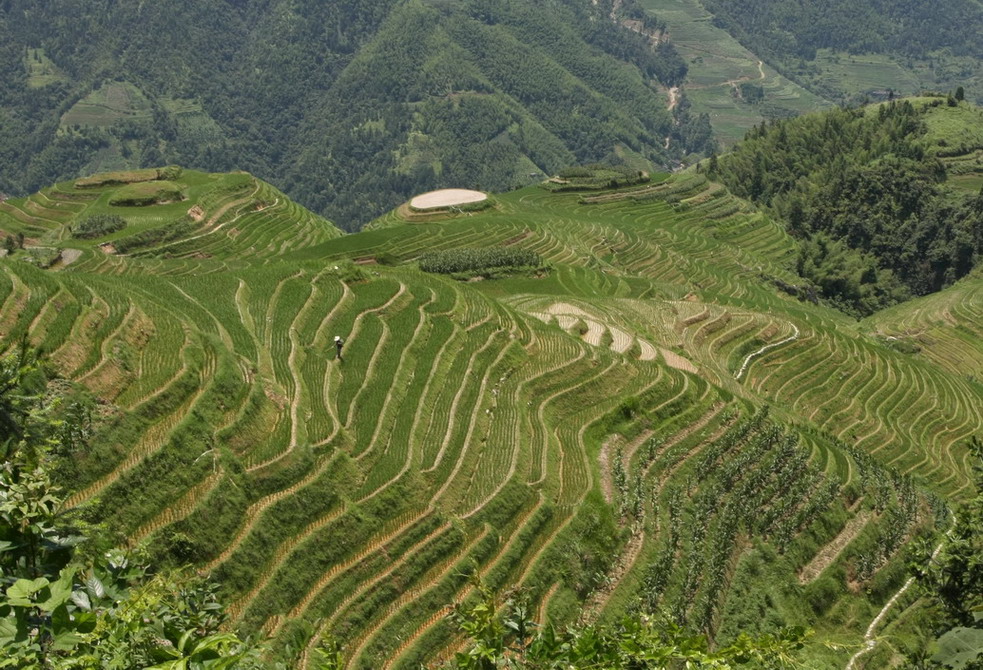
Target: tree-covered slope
<point>845,50</point>
<point>906,27</point>
<point>884,198</point>
<point>350,107</point>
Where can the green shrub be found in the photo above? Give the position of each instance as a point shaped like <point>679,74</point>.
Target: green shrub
<point>98,225</point>
<point>606,338</point>
<point>43,257</point>
<point>470,260</point>
<point>154,236</point>
<point>822,594</point>
<point>596,177</point>
<point>574,172</point>
<point>170,172</point>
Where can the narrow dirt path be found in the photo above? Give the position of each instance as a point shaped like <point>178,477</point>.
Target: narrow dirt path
<point>825,557</point>
<point>604,463</point>
<point>869,640</point>
<point>673,97</point>
<point>626,561</point>
<point>767,347</point>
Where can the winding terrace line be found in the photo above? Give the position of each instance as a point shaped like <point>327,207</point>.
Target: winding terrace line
<point>767,347</point>
<point>869,641</point>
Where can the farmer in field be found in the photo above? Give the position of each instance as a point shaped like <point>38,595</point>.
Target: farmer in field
<point>338,343</point>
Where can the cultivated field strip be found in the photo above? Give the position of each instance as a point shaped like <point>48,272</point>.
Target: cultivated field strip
<point>349,499</point>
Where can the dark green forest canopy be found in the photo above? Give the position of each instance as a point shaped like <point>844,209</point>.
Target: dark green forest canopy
<point>351,107</point>
<point>865,190</point>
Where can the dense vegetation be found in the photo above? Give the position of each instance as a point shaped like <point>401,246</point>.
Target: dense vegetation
<point>98,225</point>
<point>147,193</point>
<point>847,51</point>
<point>865,192</point>
<point>907,27</point>
<point>68,598</point>
<point>595,177</point>
<point>501,634</point>
<point>951,576</point>
<point>475,260</point>
<point>350,107</point>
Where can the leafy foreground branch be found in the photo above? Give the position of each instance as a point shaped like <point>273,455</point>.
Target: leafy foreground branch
<point>952,579</point>
<point>513,640</point>
<point>67,601</point>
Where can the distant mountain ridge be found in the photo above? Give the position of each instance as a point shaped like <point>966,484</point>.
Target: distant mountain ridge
<point>349,107</point>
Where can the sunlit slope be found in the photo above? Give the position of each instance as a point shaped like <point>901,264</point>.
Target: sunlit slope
<point>709,282</point>
<point>945,328</point>
<point>183,214</point>
<point>350,497</point>
<point>596,435</point>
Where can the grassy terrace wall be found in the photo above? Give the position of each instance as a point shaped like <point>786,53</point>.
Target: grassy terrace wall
<point>348,498</point>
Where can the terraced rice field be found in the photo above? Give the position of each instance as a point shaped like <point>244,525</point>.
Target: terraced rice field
<point>597,435</point>
<point>718,64</point>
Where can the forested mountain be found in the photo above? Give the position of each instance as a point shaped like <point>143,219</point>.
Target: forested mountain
<point>909,27</point>
<point>867,191</point>
<point>349,106</point>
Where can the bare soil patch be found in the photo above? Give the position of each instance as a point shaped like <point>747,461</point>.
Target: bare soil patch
<point>69,256</point>
<point>674,360</point>
<point>448,197</point>
<point>648,352</point>
<point>828,554</point>
<point>566,308</point>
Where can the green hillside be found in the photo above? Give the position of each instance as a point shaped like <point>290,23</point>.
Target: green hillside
<point>631,411</point>
<point>349,107</point>
<point>159,213</point>
<point>882,197</point>
<point>846,50</point>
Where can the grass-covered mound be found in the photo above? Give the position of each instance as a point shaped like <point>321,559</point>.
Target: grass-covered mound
<point>595,178</point>
<point>147,193</point>
<point>128,177</point>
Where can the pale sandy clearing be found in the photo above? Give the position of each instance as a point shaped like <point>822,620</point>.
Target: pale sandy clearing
<point>595,332</point>
<point>648,351</point>
<point>620,340</point>
<point>563,321</point>
<point>565,308</point>
<point>69,256</point>
<point>448,197</point>
<point>676,361</point>
<point>828,554</point>
<point>566,322</point>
